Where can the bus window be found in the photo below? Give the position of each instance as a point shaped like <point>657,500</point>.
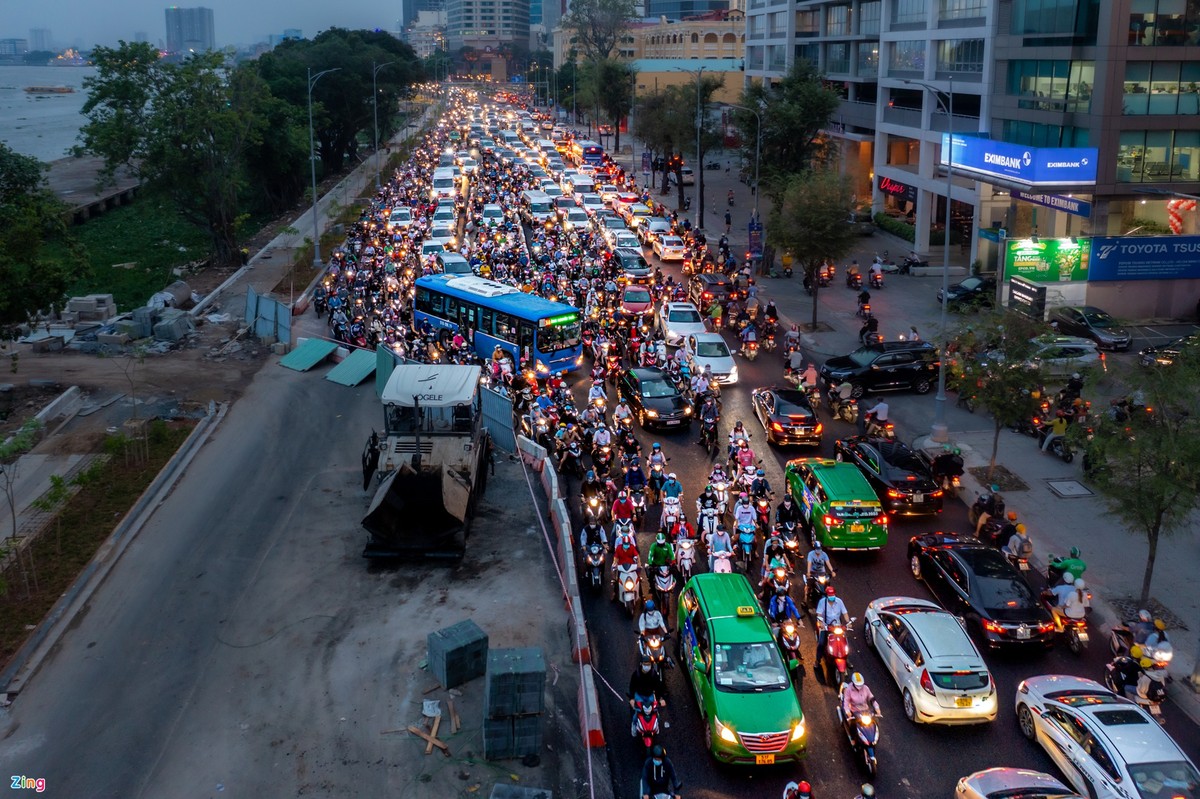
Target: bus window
<point>451,309</point>
<point>466,314</point>
<point>525,340</point>
<point>506,327</point>
<point>437,303</point>
<point>485,321</point>
<point>423,303</point>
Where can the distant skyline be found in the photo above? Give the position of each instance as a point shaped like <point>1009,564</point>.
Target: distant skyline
<point>87,23</point>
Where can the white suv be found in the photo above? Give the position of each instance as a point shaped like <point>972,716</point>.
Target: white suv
<point>678,320</point>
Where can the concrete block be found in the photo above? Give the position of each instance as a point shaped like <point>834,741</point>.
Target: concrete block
<point>504,790</point>
<point>581,647</point>
<point>279,348</point>
<point>515,683</point>
<point>119,339</point>
<point>81,305</point>
<point>102,300</point>
<point>589,710</point>
<point>498,739</point>
<point>457,654</point>
<point>49,344</point>
<point>531,452</point>
<point>134,328</point>
<point>62,405</point>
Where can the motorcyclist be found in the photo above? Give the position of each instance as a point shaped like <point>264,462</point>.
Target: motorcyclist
<point>719,542</point>
<point>1008,529</point>
<point>622,508</point>
<point>601,438</point>
<point>656,458</point>
<point>625,554</point>
<point>622,412</point>
<point>630,448</point>
<point>661,553</point>
<point>748,336</point>
<point>878,415</point>
<point>857,698</point>
<point>781,607</point>
<point>658,773</point>
<point>672,487</point>
<point>743,511</point>
<point>738,433</point>
<point>1126,671</point>
<point>592,486</point>
<point>645,683</point>
<point>830,610</point>
<point>760,486</point>
<point>710,412</point>
<point>1143,628</point>
<point>867,791</point>
<point>787,512</point>
<point>593,533</point>
<point>597,392</point>
<point>801,790</point>
<point>817,562</point>
<point>707,499</point>
<point>744,456</point>
<point>1070,597</point>
<point>717,475</point>
<point>947,465</point>
<point>651,620</point>
<point>1020,545</point>
<point>1058,567</point>
<point>635,478</point>
<point>791,339</point>
<point>841,393</point>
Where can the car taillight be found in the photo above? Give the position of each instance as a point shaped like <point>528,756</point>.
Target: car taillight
<point>881,519</point>
<point>993,627</point>
<point>832,521</point>
<point>927,682</point>
<point>1046,626</point>
<point>937,493</point>
<point>894,494</point>
<point>777,427</point>
<point>819,428</point>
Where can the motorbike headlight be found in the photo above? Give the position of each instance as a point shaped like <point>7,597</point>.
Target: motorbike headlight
<point>725,733</point>
<point>866,719</point>
<point>798,731</point>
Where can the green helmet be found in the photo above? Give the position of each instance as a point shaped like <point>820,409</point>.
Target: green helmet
<point>1075,552</point>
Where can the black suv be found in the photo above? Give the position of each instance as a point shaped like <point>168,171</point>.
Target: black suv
<point>704,288</point>
<point>890,366</point>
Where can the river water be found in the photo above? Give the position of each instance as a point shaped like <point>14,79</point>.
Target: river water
<point>45,127</point>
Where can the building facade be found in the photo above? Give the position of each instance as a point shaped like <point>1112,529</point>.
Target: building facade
<point>487,26</point>
<point>679,9</point>
<point>427,34</point>
<point>717,34</point>
<point>40,39</point>
<point>189,30</point>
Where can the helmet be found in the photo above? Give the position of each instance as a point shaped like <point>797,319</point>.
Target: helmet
<point>857,679</point>
<point>743,495</point>
<point>1075,375</point>
<point>805,787</point>
<point>1145,663</point>
<point>760,473</point>
<point>1080,584</point>
<point>787,498</point>
<point>649,604</point>
<point>1012,515</point>
<point>661,538</point>
<point>830,591</point>
<point>591,474</point>
<point>1144,615</point>
<point>657,445</point>
<point>868,791</point>
<point>657,751</point>
<point>1020,528</point>
<point>672,476</point>
<point>1068,578</point>
<point>1075,552</point>
<point>708,488</point>
<point>1160,625</point>
<point>1078,403</point>
<point>1135,652</point>
<point>816,544</point>
<point>622,495</point>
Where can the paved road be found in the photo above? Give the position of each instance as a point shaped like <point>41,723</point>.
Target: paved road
<point>914,760</point>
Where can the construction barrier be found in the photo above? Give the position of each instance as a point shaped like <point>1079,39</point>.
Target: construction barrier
<point>589,710</point>
<point>532,453</point>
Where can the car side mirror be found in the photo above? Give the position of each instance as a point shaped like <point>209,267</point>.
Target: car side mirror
<point>876,623</point>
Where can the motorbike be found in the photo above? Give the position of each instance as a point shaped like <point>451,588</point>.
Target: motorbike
<point>1058,447</point>
<point>602,459</point>
<point>814,589</point>
<point>595,566</point>
<point>573,461</point>
<point>880,429</point>
<point>745,545</point>
<point>789,646</point>
<point>594,509</point>
<point>835,660</point>
<point>721,489</point>
<point>854,280</point>
<point>652,646</point>
<point>910,261</point>
<point>791,541</point>
<point>750,350</point>
<point>708,437</point>
<point>846,410</point>
<point>638,497</point>
<point>1073,631</point>
<point>762,509</point>
<point>721,562</point>
<point>664,588</point>
<point>685,557</point>
<point>864,310</point>
<point>981,506</point>
<point>862,731</point>
<point>1156,691</point>
<point>629,589</point>
<point>706,525</point>
<point>656,479</point>
<point>877,280</point>
<point>645,723</point>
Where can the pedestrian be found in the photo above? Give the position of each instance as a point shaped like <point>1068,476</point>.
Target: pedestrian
<point>913,334</point>
<point>728,222</point>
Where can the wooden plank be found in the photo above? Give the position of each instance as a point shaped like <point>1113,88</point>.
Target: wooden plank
<point>437,722</point>
<point>455,722</point>
<point>429,739</point>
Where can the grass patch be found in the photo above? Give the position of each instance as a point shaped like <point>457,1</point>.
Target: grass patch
<point>61,552</point>
<point>147,232</point>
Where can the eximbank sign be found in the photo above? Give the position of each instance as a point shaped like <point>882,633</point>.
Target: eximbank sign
<point>1030,166</point>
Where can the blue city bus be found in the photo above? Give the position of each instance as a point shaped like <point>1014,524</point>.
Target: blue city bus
<point>587,152</point>
<point>525,325</point>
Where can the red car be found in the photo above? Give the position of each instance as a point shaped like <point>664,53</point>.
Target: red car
<point>636,300</point>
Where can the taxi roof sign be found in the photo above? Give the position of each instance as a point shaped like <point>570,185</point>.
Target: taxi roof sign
<point>746,610</point>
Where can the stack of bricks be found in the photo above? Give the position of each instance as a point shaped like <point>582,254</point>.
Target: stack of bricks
<point>514,703</point>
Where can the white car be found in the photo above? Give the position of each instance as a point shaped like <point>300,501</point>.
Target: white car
<point>623,238</point>
<point>941,675</point>
<point>652,228</point>
<point>399,219</point>
<point>710,349</point>
<point>444,215</point>
<point>609,193</point>
<point>1059,356</point>
<point>669,248</point>
<point>434,246</point>
<point>469,166</point>
<point>609,228</point>
<point>493,215</point>
<point>591,203</point>
<point>678,320</point>
<point>575,218</point>
<point>1011,783</point>
<point>1106,746</point>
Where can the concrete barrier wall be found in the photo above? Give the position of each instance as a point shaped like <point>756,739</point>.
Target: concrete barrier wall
<point>64,404</point>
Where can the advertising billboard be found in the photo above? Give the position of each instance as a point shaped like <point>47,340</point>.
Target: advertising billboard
<point>1032,166</point>
<point>1046,260</point>
<point>901,191</point>
<point>1145,257</point>
<point>1058,202</point>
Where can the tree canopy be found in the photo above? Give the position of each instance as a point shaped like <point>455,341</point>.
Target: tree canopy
<point>31,216</point>
<point>793,111</point>
<point>597,25</point>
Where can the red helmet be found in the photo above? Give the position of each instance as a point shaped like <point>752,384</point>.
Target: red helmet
<point>829,591</point>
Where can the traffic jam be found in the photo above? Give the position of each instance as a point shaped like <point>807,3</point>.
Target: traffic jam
<point>772,577</point>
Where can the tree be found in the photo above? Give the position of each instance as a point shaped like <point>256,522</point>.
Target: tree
<point>119,103</point>
<point>597,25</point>
<point>794,112</point>
<point>613,87</point>
<point>992,361</point>
<point>1148,468</point>
<point>809,220</point>
<point>31,216</point>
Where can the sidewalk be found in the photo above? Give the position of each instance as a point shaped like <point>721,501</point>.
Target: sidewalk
<point>1115,556</point>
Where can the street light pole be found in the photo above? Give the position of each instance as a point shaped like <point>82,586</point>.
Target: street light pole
<point>940,432</point>
<point>757,150</point>
<point>698,169</point>
<point>375,111</point>
<point>312,81</point>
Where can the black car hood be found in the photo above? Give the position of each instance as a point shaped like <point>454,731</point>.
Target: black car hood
<point>839,363</point>
<point>664,405</point>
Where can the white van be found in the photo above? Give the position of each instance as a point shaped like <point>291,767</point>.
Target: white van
<point>445,183</point>
<point>536,207</point>
<point>548,148</point>
<point>582,184</point>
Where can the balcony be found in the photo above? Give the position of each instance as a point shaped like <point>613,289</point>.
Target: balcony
<point>905,117</point>
<point>852,113</point>
<point>962,123</point>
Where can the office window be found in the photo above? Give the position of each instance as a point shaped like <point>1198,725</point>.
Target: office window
<point>837,58</point>
<point>908,12</point>
<point>963,55</point>
<point>1161,87</point>
<point>868,17</point>
<point>961,9</point>
<point>1038,135</point>
<point>837,21</point>
<point>1164,22</point>
<point>807,52</point>
<point>868,59</point>
<point>1157,156</point>
<point>1078,17</point>
<point>907,57</point>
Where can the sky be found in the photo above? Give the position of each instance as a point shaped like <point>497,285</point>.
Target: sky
<point>88,22</point>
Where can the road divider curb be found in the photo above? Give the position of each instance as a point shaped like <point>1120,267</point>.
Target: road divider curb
<point>589,710</point>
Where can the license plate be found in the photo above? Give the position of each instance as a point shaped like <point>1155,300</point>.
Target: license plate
<point>962,701</point>
<point>764,760</point>
<point>1022,631</point>
<point>672,421</point>
<point>918,497</point>
<point>857,528</point>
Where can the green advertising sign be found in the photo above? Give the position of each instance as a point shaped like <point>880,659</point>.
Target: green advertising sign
<point>1047,260</point>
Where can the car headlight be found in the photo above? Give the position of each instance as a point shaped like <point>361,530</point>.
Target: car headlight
<point>725,733</point>
<point>687,411</point>
<point>671,333</point>
<point>798,731</point>
<point>733,373</point>
<point>653,414</point>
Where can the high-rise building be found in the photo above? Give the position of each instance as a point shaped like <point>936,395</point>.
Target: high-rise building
<point>14,47</point>
<point>141,36</point>
<point>39,39</point>
<point>411,8</point>
<point>678,9</point>
<point>189,30</point>
<point>486,25</point>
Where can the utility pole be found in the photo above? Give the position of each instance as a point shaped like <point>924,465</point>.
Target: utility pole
<point>375,111</point>
<point>312,81</point>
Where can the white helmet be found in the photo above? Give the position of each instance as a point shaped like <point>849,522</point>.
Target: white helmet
<point>858,680</point>
<point>1080,584</point>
